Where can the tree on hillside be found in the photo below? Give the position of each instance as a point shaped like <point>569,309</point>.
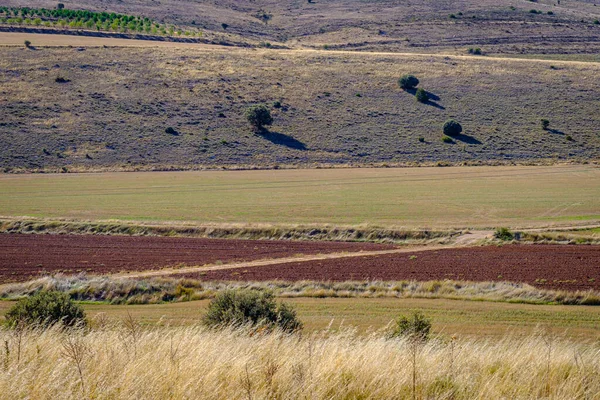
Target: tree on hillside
<point>408,82</point>
<point>259,116</point>
<point>452,128</point>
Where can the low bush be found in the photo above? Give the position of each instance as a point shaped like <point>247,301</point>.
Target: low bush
<point>504,234</point>
<point>250,307</point>
<point>408,82</point>
<point>452,128</point>
<point>418,327</point>
<point>421,96</point>
<point>545,124</point>
<point>46,309</point>
<point>171,131</point>
<point>447,139</point>
<point>27,44</point>
<point>475,51</point>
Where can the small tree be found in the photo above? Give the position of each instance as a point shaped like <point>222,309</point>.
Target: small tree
<point>46,309</point>
<point>417,327</point>
<point>259,116</point>
<point>452,128</point>
<point>545,124</point>
<point>408,82</point>
<point>224,26</point>
<point>421,95</point>
<point>27,44</point>
<point>250,307</point>
<point>60,6</point>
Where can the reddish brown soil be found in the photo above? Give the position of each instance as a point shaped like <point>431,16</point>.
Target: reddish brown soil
<point>25,256</point>
<point>561,266</point>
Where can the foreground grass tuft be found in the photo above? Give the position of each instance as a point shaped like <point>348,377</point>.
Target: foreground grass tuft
<point>119,362</point>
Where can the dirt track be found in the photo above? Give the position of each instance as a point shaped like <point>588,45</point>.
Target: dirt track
<point>549,266</point>
<point>25,256</point>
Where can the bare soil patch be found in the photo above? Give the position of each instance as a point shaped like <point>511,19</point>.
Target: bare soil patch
<point>547,266</point>
<point>23,257</point>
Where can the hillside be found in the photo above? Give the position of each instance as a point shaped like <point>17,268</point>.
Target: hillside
<point>503,26</point>
<point>336,108</point>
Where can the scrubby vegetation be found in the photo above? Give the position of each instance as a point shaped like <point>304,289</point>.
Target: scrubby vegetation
<point>250,308</point>
<point>504,234</point>
<point>83,19</point>
<point>421,95</point>
<point>46,308</point>
<point>158,290</point>
<point>415,327</point>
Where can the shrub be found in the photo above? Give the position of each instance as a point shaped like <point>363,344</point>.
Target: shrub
<point>171,131</point>
<point>421,96</point>
<point>545,124</point>
<point>27,44</point>
<point>447,139</point>
<point>416,327</point>
<point>60,6</point>
<point>46,309</point>
<point>408,82</point>
<point>224,26</point>
<point>259,116</point>
<point>596,22</point>
<point>61,79</point>
<point>277,104</point>
<point>421,139</point>
<point>452,128</point>
<point>504,234</point>
<point>250,307</point>
<point>475,51</point>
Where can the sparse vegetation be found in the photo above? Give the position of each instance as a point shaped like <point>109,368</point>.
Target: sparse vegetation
<point>45,308</point>
<point>504,234</point>
<point>250,307</point>
<point>407,82</point>
<point>259,116</point>
<point>452,128</point>
<point>475,51</point>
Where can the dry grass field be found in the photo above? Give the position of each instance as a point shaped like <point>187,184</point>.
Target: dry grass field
<point>336,108</point>
<point>181,363</point>
<point>459,197</point>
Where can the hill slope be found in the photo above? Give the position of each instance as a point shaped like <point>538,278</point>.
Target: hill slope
<point>502,26</point>
<point>336,108</point>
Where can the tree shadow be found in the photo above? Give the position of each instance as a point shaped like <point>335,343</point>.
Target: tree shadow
<point>555,131</point>
<point>433,98</point>
<point>466,139</point>
<point>282,139</point>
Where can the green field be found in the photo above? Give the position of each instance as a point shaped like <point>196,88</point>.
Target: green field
<point>470,318</point>
<point>411,197</point>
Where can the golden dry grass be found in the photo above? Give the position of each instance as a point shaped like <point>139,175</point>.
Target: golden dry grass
<point>124,362</point>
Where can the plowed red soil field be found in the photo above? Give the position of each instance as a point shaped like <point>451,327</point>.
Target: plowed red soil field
<point>23,257</point>
<point>549,266</point>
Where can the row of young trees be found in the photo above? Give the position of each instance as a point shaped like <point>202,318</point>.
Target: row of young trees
<point>84,19</point>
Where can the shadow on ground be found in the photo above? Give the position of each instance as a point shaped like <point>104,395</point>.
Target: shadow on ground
<point>433,98</point>
<point>466,139</point>
<point>282,139</point>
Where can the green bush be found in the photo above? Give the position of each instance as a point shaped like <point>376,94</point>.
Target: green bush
<point>46,309</point>
<point>447,139</point>
<point>504,234</point>
<point>421,96</point>
<point>545,124</point>
<point>475,51</point>
<point>416,327</point>
<point>250,307</point>
<point>408,82</point>
<point>259,116</point>
<point>27,44</point>
<point>452,128</point>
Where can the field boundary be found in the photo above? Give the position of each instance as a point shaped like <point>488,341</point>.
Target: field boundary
<point>227,231</point>
<point>155,290</point>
